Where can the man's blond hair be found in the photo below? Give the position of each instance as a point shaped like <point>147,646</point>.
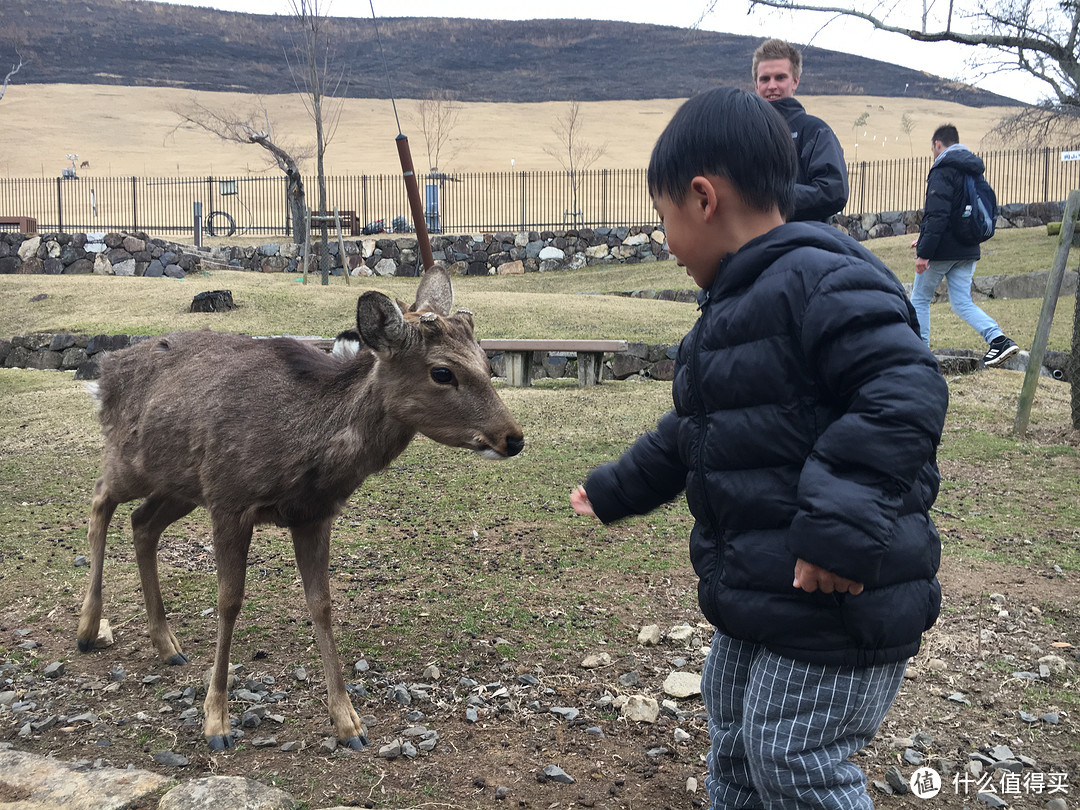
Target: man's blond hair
<point>778,49</point>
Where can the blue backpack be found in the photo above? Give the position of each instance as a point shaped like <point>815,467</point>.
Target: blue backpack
<point>974,218</point>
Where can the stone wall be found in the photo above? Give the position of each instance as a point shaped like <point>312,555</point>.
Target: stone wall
<point>63,351</point>
<point>394,255</point>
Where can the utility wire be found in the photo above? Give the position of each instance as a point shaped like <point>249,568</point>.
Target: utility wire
<point>386,70</point>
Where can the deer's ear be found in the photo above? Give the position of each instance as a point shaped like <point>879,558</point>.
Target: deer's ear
<point>380,323</point>
<point>435,293</point>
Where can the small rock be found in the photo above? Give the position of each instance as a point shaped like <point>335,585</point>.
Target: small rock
<point>642,709</point>
<point>595,731</point>
<point>361,666</point>
<point>432,673</point>
<point>691,785</point>
<point>501,792</point>
<point>649,635</point>
<point>264,742</point>
<point>596,661</point>
<point>168,759</point>
<point>525,679</point>
<point>936,665</point>
<point>553,773</point>
<point>1028,718</point>
<point>1057,803</point>
<point>913,757</point>
<point>292,746</point>
<point>896,780</point>
<point>992,800</point>
<point>1000,753</point>
<point>54,670</point>
<point>958,697</point>
<point>682,684</point>
<point>884,787</point>
<point>565,712</point>
<point>629,678</point>
<point>680,735</point>
<point>300,674</point>
<point>680,633</point>
<point>391,750</point>
<point>81,561</point>
<point>1051,718</point>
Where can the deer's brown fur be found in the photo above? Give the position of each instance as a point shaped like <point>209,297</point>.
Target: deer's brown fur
<point>274,431</point>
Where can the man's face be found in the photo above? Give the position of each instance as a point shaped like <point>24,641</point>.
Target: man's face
<point>775,80</point>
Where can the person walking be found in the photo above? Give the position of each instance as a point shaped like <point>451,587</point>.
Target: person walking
<point>940,255</point>
<point>821,186</point>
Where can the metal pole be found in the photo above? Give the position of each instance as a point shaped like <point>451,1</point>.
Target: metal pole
<point>197,206</point>
<point>1046,316</point>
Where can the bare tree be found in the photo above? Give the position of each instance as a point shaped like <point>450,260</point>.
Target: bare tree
<point>907,124</point>
<point>859,122</point>
<point>254,127</point>
<point>14,69</point>
<point>1037,37</point>
<point>574,153</point>
<point>321,83</point>
<point>435,117</point>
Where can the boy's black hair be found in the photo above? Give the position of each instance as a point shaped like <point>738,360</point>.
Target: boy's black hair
<point>947,134</point>
<point>732,134</point>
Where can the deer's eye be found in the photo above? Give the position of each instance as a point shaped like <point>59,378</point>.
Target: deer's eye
<point>443,376</point>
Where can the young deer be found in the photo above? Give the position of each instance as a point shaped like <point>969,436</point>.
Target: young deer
<point>274,431</point>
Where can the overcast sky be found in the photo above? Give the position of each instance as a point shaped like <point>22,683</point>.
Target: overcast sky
<point>942,59</point>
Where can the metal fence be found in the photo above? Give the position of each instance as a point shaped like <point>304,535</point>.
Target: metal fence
<point>465,202</point>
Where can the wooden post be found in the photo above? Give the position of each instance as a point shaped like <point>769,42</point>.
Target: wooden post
<point>412,189</point>
<point>1046,316</point>
<point>341,247</point>
<point>307,241</point>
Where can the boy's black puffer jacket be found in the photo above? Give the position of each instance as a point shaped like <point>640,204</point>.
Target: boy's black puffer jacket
<point>806,420</point>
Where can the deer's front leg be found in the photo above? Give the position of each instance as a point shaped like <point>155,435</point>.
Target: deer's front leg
<point>101,512</point>
<point>311,545</point>
<point>232,538</point>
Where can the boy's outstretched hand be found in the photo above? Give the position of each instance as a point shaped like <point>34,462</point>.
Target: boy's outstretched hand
<point>580,502</point>
<point>812,577</point>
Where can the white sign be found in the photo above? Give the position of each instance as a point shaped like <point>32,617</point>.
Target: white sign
<point>1070,156</point>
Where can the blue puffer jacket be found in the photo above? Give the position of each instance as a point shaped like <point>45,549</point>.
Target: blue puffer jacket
<point>806,421</point>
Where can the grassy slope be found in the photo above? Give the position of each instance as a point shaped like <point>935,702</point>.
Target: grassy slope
<point>533,305</point>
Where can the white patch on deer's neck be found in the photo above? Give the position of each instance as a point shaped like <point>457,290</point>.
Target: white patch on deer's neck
<point>94,390</point>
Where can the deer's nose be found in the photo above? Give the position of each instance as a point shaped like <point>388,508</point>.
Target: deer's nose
<point>514,444</point>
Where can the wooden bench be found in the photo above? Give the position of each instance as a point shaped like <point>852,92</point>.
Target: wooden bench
<point>590,356</point>
<point>22,224</point>
<point>349,222</point>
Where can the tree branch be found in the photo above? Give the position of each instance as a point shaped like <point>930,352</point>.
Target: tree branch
<point>14,69</point>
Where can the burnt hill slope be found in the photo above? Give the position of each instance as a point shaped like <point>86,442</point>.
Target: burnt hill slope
<point>157,44</point>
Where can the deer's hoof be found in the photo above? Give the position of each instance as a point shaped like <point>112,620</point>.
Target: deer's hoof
<point>220,742</point>
<point>176,659</point>
<point>85,646</point>
<point>356,743</point>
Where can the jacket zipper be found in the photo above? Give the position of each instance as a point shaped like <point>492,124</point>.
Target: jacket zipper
<point>702,421</point>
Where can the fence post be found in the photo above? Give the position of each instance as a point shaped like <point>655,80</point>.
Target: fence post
<point>59,206</point>
<point>1046,316</point>
<point>134,206</point>
<point>1046,174</point>
<point>524,197</point>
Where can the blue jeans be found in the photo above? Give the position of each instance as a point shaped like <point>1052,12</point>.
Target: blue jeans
<point>782,730</point>
<point>958,274</point>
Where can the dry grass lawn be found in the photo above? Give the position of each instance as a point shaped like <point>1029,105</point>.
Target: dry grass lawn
<point>123,131</point>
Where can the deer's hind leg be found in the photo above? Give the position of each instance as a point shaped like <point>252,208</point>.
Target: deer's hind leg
<point>101,512</point>
<point>147,523</point>
<point>232,539</point>
<point>311,544</point>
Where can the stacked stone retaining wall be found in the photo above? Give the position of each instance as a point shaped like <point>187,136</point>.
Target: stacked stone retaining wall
<point>137,254</point>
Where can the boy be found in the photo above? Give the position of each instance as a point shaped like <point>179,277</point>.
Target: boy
<point>807,415</point>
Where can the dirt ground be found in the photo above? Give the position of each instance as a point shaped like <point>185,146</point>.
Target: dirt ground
<point>970,656</point>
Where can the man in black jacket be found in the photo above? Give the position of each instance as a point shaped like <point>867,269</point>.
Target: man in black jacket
<point>941,255</point>
<point>821,188</point>
<point>807,413</point>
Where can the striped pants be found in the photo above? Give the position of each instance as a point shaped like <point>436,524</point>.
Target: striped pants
<point>782,730</point>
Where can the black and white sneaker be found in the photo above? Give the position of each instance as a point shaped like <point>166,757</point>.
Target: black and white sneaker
<point>1001,349</point>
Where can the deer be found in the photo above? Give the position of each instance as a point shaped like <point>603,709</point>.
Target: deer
<point>278,431</point>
